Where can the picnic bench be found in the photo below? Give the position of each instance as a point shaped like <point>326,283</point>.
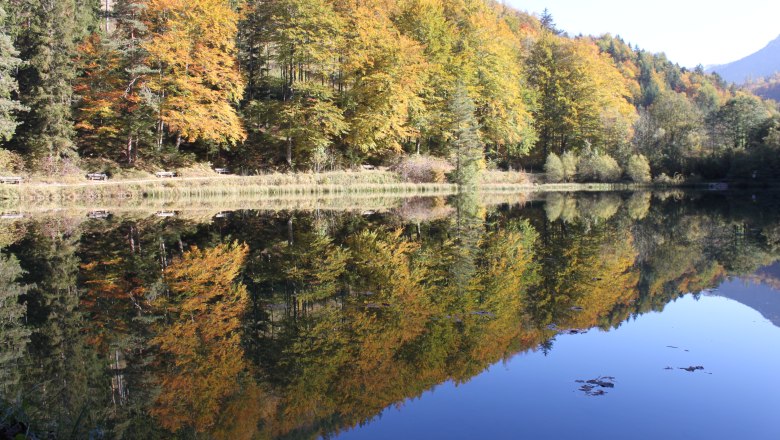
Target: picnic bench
<point>13,180</point>
<point>97,176</point>
<point>99,214</point>
<point>164,174</point>
<point>221,170</point>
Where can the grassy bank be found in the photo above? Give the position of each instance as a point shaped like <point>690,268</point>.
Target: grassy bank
<point>223,187</point>
<point>236,192</point>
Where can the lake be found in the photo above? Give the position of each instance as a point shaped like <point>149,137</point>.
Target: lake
<point>548,316</point>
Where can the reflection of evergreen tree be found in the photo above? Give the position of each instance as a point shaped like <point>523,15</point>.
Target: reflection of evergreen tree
<point>13,335</point>
<point>59,384</point>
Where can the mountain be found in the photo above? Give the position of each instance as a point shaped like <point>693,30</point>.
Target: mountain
<point>761,64</point>
<point>761,293</point>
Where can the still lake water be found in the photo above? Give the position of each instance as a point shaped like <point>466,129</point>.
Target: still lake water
<point>603,316</point>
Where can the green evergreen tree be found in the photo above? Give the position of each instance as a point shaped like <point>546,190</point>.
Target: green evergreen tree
<point>14,337</point>
<point>47,44</point>
<point>466,147</point>
<point>9,63</point>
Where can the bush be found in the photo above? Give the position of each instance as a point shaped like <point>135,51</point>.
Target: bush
<point>10,162</point>
<point>663,179</point>
<point>596,167</point>
<point>638,169</point>
<point>553,167</point>
<point>570,161</point>
<point>423,169</point>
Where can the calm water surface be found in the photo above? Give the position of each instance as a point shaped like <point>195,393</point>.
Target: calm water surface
<point>602,316</point>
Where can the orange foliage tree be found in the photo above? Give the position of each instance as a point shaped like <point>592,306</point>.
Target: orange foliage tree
<point>202,338</point>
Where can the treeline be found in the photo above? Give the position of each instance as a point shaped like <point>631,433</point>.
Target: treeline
<point>768,87</point>
<point>330,84</point>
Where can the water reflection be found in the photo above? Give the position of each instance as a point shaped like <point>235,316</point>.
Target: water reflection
<point>271,324</point>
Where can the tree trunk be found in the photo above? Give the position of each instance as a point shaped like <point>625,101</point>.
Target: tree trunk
<point>289,151</point>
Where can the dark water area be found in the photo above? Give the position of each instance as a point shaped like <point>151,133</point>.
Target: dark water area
<point>612,315</point>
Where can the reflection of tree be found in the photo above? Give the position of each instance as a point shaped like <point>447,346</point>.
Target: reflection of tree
<point>586,271</point>
<point>344,314</point>
<point>58,382</point>
<point>13,335</point>
<point>201,339</point>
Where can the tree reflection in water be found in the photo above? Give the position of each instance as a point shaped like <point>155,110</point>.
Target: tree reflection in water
<point>276,324</point>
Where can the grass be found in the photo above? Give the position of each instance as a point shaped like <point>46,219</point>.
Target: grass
<point>242,187</point>
<point>199,188</point>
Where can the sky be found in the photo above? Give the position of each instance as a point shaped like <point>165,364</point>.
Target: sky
<point>690,32</point>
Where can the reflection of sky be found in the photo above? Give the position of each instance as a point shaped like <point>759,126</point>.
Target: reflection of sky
<point>536,397</point>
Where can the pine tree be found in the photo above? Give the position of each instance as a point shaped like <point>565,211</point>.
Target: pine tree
<point>466,143</point>
<point>9,63</point>
<point>47,44</point>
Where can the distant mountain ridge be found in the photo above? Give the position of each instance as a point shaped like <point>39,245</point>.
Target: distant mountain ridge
<point>764,301</point>
<point>761,64</point>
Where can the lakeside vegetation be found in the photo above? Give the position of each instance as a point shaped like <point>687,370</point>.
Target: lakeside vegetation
<point>312,85</point>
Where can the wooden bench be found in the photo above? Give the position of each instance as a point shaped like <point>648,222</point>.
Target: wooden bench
<point>11,215</point>
<point>98,214</point>
<point>166,214</point>
<point>221,170</point>
<point>13,180</point>
<point>97,176</point>
<point>164,174</point>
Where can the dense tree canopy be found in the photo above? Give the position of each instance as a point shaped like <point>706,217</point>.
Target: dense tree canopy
<point>324,84</point>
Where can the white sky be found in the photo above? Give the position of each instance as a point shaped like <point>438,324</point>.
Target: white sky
<point>690,32</point>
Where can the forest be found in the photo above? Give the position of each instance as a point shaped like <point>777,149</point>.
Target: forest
<point>455,86</point>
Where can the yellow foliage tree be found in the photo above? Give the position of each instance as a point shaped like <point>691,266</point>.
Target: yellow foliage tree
<point>192,47</point>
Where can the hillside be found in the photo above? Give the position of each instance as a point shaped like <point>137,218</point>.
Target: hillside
<point>763,63</point>
<point>762,294</point>
<point>768,88</point>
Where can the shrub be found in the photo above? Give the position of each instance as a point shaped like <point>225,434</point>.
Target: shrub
<point>423,169</point>
<point>570,161</point>
<point>553,167</point>
<point>638,169</point>
<point>10,162</point>
<point>596,167</point>
<point>663,179</point>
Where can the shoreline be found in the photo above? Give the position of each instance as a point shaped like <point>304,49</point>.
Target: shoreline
<point>293,186</point>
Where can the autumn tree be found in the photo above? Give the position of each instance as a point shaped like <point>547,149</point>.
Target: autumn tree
<point>383,73</point>
<point>491,66</point>
<point>192,48</point>
<point>114,114</point>
<point>583,98</point>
